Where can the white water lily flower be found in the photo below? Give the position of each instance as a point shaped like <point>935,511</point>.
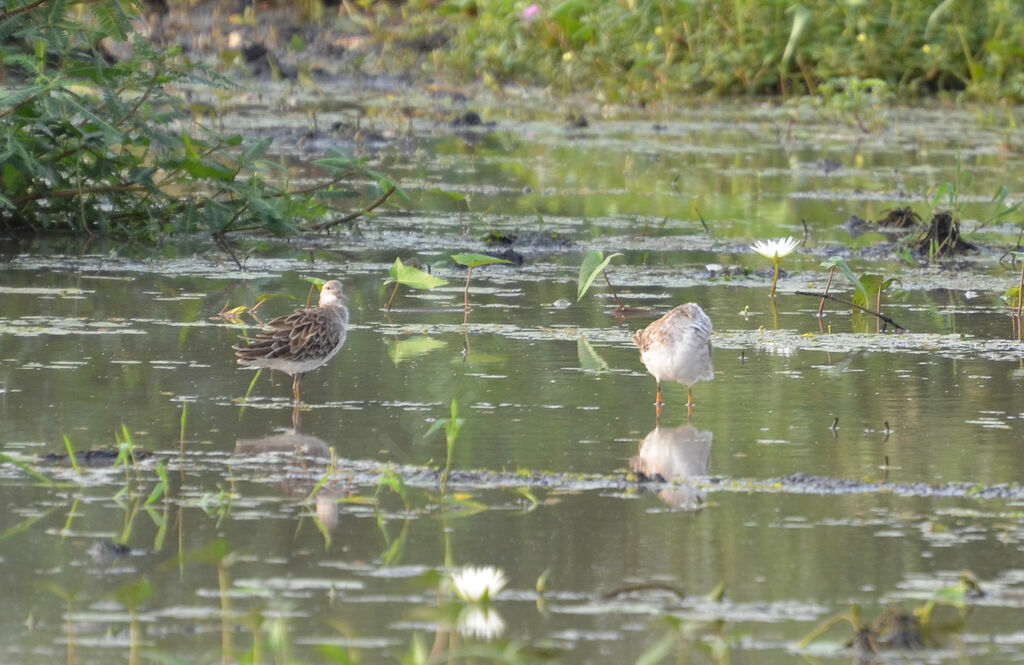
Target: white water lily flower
<point>476,584</point>
<point>481,622</point>
<point>774,250</point>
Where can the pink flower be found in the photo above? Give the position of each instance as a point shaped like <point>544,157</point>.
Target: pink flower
<point>530,12</point>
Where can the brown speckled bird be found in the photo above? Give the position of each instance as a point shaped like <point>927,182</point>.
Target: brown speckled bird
<point>301,341</point>
<point>677,347</point>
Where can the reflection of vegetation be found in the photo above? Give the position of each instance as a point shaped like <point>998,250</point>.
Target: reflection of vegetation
<point>401,350</point>
<point>707,635</point>
<point>589,359</point>
<point>98,143</point>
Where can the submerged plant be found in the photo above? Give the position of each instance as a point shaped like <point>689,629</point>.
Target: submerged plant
<point>774,250</point>
<point>414,278</point>
<point>451,426</point>
<point>595,262</point>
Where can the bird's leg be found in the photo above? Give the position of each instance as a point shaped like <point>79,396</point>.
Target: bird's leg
<point>297,386</point>
<point>689,397</point>
<point>657,403</point>
<point>657,400</point>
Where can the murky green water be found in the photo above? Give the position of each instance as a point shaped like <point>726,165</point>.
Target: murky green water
<point>245,558</point>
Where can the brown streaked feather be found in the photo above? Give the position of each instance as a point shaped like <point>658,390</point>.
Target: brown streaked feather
<point>301,341</point>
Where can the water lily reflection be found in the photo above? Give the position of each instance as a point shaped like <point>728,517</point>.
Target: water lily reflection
<point>478,584</point>
<point>673,454</point>
<point>482,622</point>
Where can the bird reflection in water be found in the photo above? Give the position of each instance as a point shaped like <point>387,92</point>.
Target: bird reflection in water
<point>293,448</point>
<point>671,454</point>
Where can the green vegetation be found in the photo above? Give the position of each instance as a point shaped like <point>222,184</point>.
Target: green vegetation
<point>898,629</point>
<point>452,426</point>
<point>474,261</point>
<point>643,50</point>
<point>594,263</point>
<point>94,143</point>
<point>414,278</point>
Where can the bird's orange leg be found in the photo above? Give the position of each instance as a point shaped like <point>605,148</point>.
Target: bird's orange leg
<point>297,386</point>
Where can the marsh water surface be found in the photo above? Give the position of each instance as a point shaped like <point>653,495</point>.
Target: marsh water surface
<point>827,465</point>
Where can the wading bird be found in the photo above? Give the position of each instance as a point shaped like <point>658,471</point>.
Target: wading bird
<point>301,341</point>
<point>677,347</point>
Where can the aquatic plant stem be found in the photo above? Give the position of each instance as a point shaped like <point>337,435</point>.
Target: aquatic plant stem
<point>775,279</point>
<point>883,317</point>
<point>1020,297</point>
<point>71,455</point>
<point>465,294</point>
<point>387,308</point>
<point>181,434</point>
<point>821,305</point>
<point>612,289</point>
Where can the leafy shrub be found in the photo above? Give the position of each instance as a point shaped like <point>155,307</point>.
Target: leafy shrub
<point>93,143</point>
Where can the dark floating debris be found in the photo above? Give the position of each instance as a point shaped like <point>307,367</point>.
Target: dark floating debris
<point>827,165</point>
<point>857,226</point>
<point>368,472</point>
<point>529,240</point>
<point>578,121</point>
<point>898,629</point>
<point>468,119</point>
<point>508,254</point>
<point>106,552</point>
<point>95,458</point>
<point>471,119</point>
<point>900,218</point>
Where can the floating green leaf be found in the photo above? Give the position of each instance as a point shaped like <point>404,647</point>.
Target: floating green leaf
<point>593,264</point>
<point>476,260</point>
<point>414,278</point>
